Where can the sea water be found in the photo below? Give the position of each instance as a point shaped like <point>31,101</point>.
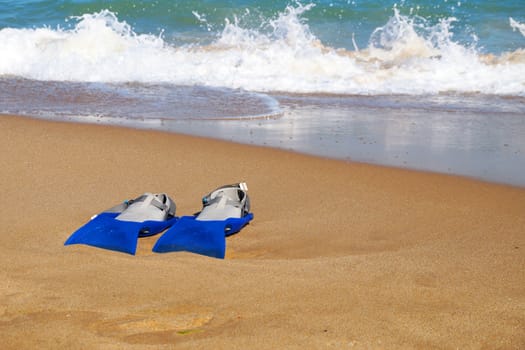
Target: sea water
<point>433,85</point>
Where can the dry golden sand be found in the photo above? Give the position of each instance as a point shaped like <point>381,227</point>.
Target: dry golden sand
<point>339,255</point>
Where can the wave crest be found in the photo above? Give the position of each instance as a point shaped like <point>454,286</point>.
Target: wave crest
<point>405,56</point>
<point>515,25</point>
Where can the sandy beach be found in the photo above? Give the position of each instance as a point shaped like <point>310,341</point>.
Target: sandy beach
<point>340,255</point>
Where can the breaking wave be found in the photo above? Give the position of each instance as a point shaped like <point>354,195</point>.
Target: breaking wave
<point>407,55</point>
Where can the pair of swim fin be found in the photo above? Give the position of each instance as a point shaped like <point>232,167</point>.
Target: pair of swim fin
<point>226,211</point>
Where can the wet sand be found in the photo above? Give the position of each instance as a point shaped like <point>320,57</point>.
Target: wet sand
<point>339,255</point>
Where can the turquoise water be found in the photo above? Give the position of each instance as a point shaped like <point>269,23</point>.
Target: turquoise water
<point>434,85</point>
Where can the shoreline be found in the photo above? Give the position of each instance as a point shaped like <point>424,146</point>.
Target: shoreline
<point>339,254</point>
<point>194,128</point>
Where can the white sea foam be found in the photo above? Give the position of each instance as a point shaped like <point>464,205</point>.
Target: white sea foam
<point>406,55</point>
<point>517,26</point>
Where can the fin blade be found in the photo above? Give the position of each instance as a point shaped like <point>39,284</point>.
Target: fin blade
<point>200,237</point>
<point>103,231</point>
<point>205,237</point>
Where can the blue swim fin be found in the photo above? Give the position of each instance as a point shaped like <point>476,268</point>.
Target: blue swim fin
<point>120,227</point>
<point>104,231</point>
<point>225,212</point>
<point>200,237</point>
